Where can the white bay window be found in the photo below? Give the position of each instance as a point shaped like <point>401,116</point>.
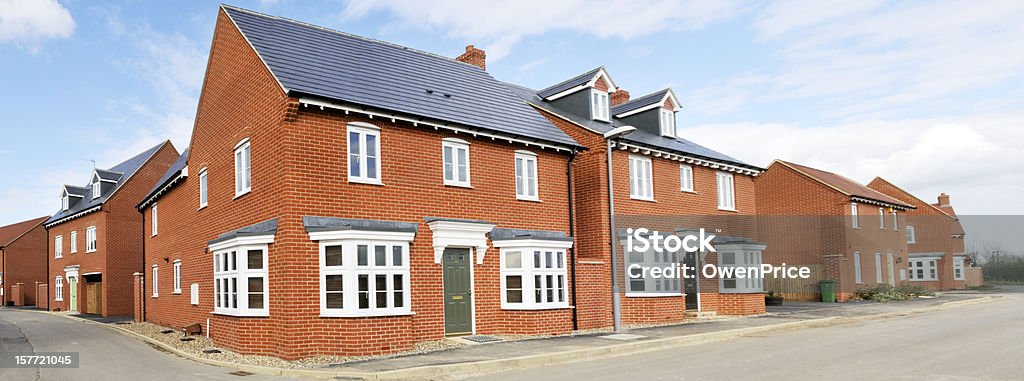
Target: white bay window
<point>240,274</point>
<point>534,274</point>
<point>364,273</point>
<point>923,269</point>
<point>746,256</point>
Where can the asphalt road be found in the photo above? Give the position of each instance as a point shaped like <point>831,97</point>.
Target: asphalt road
<point>977,342</point>
<point>104,354</point>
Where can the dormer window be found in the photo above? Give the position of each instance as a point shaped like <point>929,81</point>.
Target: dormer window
<point>96,187</point>
<point>599,105</point>
<point>64,201</point>
<point>668,123</point>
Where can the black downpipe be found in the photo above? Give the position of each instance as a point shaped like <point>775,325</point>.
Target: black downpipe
<point>48,279</point>
<point>142,272</point>
<point>3,272</point>
<point>572,250</point>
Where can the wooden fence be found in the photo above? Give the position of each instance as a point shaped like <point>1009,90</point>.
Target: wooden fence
<point>797,289</point>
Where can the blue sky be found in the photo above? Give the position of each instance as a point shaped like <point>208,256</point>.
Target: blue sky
<point>926,94</point>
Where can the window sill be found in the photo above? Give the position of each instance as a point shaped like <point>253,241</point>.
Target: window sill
<point>651,295</point>
<point>741,292</point>
<point>201,207</point>
<point>688,191</point>
<point>528,199</point>
<point>240,314</point>
<point>365,181</point>
<point>924,280</point>
<point>457,185</point>
<point>243,193</point>
<point>648,199</point>
<point>155,296</point>
<point>728,210</point>
<point>178,292</point>
<point>511,307</point>
<point>349,314</point>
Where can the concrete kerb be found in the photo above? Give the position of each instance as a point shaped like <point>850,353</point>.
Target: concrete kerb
<point>529,361</point>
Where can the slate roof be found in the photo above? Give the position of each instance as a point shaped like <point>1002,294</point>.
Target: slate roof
<point>514,234</point>
<point>910,198</point>
<point>846,186</point>
<point>108,175</point>
<point>127,168</point>
<point>77,190</point>
<point>167,179</point>
<point>12,232</point>
<point>569,83</point>
<point>640,102</point>
<point>309,60</point>
<point>679,145</point>
<point>321,224</point>
<point>259,228</point>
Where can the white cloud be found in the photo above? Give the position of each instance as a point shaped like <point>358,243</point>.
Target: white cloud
<point>497,26</point>
<point>863,60</point>
<point>28,22</point>
<point>975,159</point>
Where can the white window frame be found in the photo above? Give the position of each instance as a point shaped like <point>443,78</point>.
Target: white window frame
<point>177,277</point>
<point>58,247</point>
<point>155,225</point>
<point>923,269</point>
<point>726,191</point>
<point>362,131</point>
<point>652,287</point>
<point>685,178</point>
<point>552,274</point>
<point>911,234</point>
<point>599,108</point>
<point>878,268</point>
<point>744,258</point>
<point>243,167</point>
<point>881,218</point>
<point>855,216</point>
<point>351,271</point>
<point>58,288</point>
<point>668,123</point>
<point>958,269</point>
<point>90,239</point>
<point>895,220</point>
<point>74,241</point>
<point>97,187</point>
<point>455,145</point>
<point>857,272</point>
<point>156,281</point>
<point>65,201</point>
<point>204,188</point>
<point>232,298</point>
<point>641,178</point>
<point>527,188</point>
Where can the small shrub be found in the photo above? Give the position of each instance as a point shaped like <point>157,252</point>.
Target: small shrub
<point>887,293</point>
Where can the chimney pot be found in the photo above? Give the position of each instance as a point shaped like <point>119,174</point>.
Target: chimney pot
<point>620,96</point>
<point>474,56</point>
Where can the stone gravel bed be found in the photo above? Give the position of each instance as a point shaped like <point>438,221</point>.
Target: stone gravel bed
<point>200,343</point>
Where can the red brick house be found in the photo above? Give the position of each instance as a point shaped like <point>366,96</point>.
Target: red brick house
<point>22,261</point>
<point>95,239</point>
<point>813,217</point>
<point>660,181</point>
<point>935,242</point>
<point>348,196</point>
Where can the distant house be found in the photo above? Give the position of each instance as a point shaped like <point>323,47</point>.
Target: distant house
<point>935,240</point>
<point>848,232</point>
<point>660,181</point>
<point>96,237</point>
<point>22,262</point>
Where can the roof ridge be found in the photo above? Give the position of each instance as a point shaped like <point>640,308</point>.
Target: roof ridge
<point>573,78</point>
<point>346,34</point>
<point>830,185</point>
<point>39,221</point>
<point>911,195</point>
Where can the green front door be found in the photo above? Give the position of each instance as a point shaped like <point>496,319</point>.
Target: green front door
<point>458,304</point>
<point>73,288</point>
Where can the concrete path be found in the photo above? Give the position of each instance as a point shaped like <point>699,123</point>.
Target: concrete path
<point>104,354</point>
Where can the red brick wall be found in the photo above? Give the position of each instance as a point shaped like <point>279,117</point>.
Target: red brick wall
<point>805,222</point>
<point>26,263</point>
<point>118,241</point>
<point>298,169</point>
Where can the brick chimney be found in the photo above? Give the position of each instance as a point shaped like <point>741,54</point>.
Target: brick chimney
<point>943,200</point>
<point>474,56</point>
<point>620,96</point>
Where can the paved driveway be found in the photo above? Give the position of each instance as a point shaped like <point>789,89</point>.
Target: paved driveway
<point>104,354</point>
